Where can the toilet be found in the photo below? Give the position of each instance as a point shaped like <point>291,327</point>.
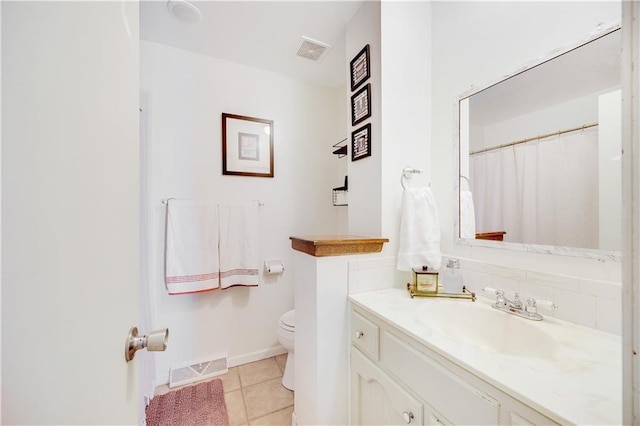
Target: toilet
<point>286,336</point>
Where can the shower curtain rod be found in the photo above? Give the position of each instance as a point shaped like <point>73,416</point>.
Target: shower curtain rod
<point>558,133</point>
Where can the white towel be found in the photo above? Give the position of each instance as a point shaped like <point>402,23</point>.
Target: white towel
<point>467,215</point>
<point>239,245</point>
<point>419,242</point>
<point>191,247</point>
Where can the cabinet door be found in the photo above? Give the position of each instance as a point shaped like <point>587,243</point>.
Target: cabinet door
<point>376,399</point>
<point>521,415</point>
<point>434,420</point>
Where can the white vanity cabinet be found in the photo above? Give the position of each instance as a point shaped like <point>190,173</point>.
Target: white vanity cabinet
<point>395,379</point>
<point>376,399</point>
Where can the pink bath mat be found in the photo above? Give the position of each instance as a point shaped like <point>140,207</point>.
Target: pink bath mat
<point>201,404</point>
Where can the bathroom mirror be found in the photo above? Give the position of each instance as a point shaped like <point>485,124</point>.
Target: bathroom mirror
<point>539,155</point>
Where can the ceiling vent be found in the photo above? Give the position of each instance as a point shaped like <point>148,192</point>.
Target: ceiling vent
<point>312,49</point>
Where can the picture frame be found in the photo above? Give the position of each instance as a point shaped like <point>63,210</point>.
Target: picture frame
<point>361,105</point>
<point>361,143</point>
<point>247,146</point>
<point>360,68</point>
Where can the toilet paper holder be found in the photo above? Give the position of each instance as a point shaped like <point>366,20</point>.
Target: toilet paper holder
<point>154,341</point>
<point>273,266</point>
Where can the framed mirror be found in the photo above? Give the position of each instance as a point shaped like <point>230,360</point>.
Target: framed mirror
<point>539,155</point>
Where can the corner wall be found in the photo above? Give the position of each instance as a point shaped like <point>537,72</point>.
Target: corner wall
<point>406,108</point>
<point>365,197</point>
<point>399,36</point>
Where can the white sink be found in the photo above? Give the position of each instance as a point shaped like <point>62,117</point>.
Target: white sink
<point>480,325</point>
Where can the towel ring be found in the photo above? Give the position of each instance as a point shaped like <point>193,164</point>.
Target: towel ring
<point>406,174</point>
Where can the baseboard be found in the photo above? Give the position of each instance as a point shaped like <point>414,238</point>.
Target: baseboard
<point>256,356</point>
<point>163,379</point>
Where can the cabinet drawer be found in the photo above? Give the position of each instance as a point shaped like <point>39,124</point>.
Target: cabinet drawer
<point>365,335</point>
<point>456,400</point>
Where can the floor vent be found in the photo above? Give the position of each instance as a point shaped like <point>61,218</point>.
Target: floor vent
<point>199,370</point>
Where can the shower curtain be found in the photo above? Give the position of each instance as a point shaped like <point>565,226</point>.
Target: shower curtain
<point>540,192</point>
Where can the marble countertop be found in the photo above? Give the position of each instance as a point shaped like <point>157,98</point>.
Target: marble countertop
<point>578,382</point>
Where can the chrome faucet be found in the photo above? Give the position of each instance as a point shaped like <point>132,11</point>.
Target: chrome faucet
<point>516,307</point>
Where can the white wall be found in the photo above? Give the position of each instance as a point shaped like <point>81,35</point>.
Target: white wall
<point>188,93</point>
<point>406,106</point>
<point>365,202</point>
<point>489,40</point>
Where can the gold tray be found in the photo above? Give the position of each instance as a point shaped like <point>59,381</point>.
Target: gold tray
<point>465,294</point>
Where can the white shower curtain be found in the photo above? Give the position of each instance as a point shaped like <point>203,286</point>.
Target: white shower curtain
<point>542,192</point>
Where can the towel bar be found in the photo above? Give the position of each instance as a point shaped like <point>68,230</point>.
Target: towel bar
<point>406,174</point>
<point>260,203</point>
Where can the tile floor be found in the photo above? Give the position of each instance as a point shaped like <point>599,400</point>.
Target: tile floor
<point>254,393</point>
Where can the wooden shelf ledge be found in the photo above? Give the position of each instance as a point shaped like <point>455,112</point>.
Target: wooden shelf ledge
<point>337,245</point>
<point>494,235</point>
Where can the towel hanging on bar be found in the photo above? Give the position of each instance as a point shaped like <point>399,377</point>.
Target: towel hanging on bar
<point>419,238</point>
<point>239,245</point>
<point>210,246</point>
<point>191,247</point>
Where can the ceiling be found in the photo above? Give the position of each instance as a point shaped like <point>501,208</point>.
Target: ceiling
<point>261,34</point>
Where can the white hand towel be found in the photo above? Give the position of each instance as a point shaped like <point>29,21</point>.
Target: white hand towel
<point>467,215</point>
<point>191,247</point>
<point>419,242</point>
<point>239,245</point>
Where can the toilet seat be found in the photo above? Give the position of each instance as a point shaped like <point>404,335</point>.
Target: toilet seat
<point>287,321</point>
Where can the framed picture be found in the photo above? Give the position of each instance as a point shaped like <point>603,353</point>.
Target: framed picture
<point>361,143</point>
<point>360,69</point>
<point>361,105</point>
<point>247,146</point>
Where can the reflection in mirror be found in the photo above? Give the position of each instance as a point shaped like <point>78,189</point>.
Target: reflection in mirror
<point>540,154</point>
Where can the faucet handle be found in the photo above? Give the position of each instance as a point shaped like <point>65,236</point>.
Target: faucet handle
<point>546,303</point>
<point>490,290</point>
<point>453,263</point>
<point>495,292</point>
<point>532,304</point>
<point>499,294</point>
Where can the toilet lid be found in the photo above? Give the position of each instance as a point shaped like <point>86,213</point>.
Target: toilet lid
<point>288,318</point>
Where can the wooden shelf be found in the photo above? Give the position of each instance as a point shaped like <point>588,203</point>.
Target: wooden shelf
<point>495,235</point>
<point>337,245</point>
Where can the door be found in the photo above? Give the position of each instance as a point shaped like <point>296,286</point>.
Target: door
<point>70,211</point>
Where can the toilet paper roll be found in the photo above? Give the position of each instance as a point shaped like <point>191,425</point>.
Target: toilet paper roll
<point>276,268</point>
